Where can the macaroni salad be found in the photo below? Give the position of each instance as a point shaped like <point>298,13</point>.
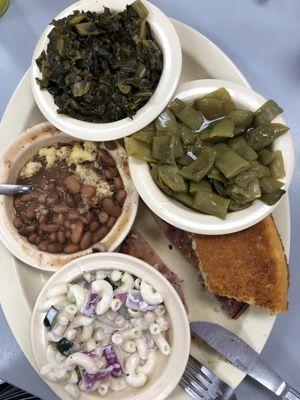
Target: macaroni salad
<point>105,332</point>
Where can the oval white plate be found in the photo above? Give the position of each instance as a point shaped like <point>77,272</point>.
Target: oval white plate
<point>188,219</point>
<point>163,31</point>
<point>22,284</point>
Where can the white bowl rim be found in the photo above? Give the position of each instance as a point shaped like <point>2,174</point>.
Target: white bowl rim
<point>179,319</point>
<point>189,220</point>
<point>39,136</point>
<point>165,89</point>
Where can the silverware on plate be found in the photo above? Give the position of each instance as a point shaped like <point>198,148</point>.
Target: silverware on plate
<point>202,384</point>
<point>14,189</point>
<point>242,356</point>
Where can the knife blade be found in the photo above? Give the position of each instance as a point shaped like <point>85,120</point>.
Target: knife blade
<point>242,356</point>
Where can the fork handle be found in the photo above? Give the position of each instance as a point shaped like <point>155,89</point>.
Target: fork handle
<point>290,394</point>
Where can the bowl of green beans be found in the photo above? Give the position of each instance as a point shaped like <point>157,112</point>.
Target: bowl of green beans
<point>217,160</point>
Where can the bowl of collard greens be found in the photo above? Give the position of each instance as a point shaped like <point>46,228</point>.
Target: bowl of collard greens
<point>102,73</point>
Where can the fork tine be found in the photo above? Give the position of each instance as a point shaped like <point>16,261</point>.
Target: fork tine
<point>196,375</point>
<point>199,367</point>
<point>185,384</point>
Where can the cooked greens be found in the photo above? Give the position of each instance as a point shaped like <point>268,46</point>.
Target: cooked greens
<point>222,168</point>
<point>101,67</point>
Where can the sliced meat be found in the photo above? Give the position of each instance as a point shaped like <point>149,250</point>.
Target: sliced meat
<point>182,241</point>
<point>135,245</point>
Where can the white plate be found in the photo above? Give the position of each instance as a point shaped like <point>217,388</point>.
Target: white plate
<point>20,285</point>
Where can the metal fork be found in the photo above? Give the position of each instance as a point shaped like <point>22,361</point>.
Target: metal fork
<point>202,384</point>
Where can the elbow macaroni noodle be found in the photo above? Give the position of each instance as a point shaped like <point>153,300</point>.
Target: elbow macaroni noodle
<point>137,335</point>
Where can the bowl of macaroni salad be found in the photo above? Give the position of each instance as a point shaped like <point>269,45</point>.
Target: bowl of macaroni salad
<point>109,325</point>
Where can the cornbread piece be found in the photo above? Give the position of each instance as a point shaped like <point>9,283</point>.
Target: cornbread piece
<point>248,266</point>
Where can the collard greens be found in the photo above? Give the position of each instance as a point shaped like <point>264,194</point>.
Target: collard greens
<point>101,67</point>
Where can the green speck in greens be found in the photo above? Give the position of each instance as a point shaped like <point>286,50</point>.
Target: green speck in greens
<point>101,67</point>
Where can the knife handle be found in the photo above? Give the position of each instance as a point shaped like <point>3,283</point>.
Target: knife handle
<point>290,394</point>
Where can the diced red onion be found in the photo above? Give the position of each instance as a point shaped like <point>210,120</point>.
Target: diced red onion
<point>135,302</point>
<point>90,309</point>
<point>89,380</point>
<point>112,360</point>
<point>122,297</point>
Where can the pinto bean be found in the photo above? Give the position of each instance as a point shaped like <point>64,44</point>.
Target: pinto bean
<point>111,145</point>
<point>31,211</point>
<point>60,208</point>
<point>68,235</point>
<point>53,236</point>
<point>110,223</point>
<point>67,224</point>
<point>54,247</point>
<point>42,219</point>
<point>71,248</point>
<point>32,238</point>
<point>111,208</point>
<point>121,196</point>
<point>38,240</point>
<point>109,174</point>
<point>106,158</point>
<point>43,246</point>
<point>49,227</point>
<point>61,237</point>
<point>73,184</point>
<point>60,219</point>
<point>118,184</point>
<point>86,240</point>
<point>103,217</point>
<point>89,216</point>
<point>30,196</point>
<point>17,201</point>
<point>93,226</point>
<point>73,214</point>
<point>18,223</point>
<point>100,234</point>
<point>88,191</point>
<point>51,186</point>
<point>30,229</point>
<point>76,232</point>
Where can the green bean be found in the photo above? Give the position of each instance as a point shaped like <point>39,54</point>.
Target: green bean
<point>228,161</point>
<point>145,135</point>
<point>222,95</point>
<point>256,170</point>
<point>234,206</point>
<point>219,187</point>
<point>222,129</point>
<point>268,184</point>
<point>209,107</point>
<point>198,145</point>
<point>214,173</point>
<point>239,144</point>
<point>264,135</point>
<point>169,175</point>
<point>138,149</point>
<point>187,135</point>
<point>185,160</point>
<point>162,149</point>
<point>242,119</point>
<point>159,183</point>
<point>177,147</point>
<point>197,169</point>
<point>266,156</point>
<point>272,198</point>
<point>203,185</point>
<point>244,194</point>
<point>267,112</point>
<point>166,123</point>
<point>187,114</point>
<point>211,203</point>
<point>184,198</point>
<point>276,166</point>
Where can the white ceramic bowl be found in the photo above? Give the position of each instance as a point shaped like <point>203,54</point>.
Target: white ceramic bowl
<point>169,369</point>
<point>192,221</point>
<point>165,34</point>
<point>14,157</point>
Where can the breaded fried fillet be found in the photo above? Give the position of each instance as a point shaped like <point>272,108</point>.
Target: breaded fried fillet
<point>248,266</point>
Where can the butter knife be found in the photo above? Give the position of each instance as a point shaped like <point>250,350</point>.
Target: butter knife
<point>242,356</point>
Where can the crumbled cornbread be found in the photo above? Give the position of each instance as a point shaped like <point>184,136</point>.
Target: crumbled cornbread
<point>30,169</point>
<point>90,177</point>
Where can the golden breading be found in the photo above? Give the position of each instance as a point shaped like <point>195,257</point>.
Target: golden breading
<point>248,266</point>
